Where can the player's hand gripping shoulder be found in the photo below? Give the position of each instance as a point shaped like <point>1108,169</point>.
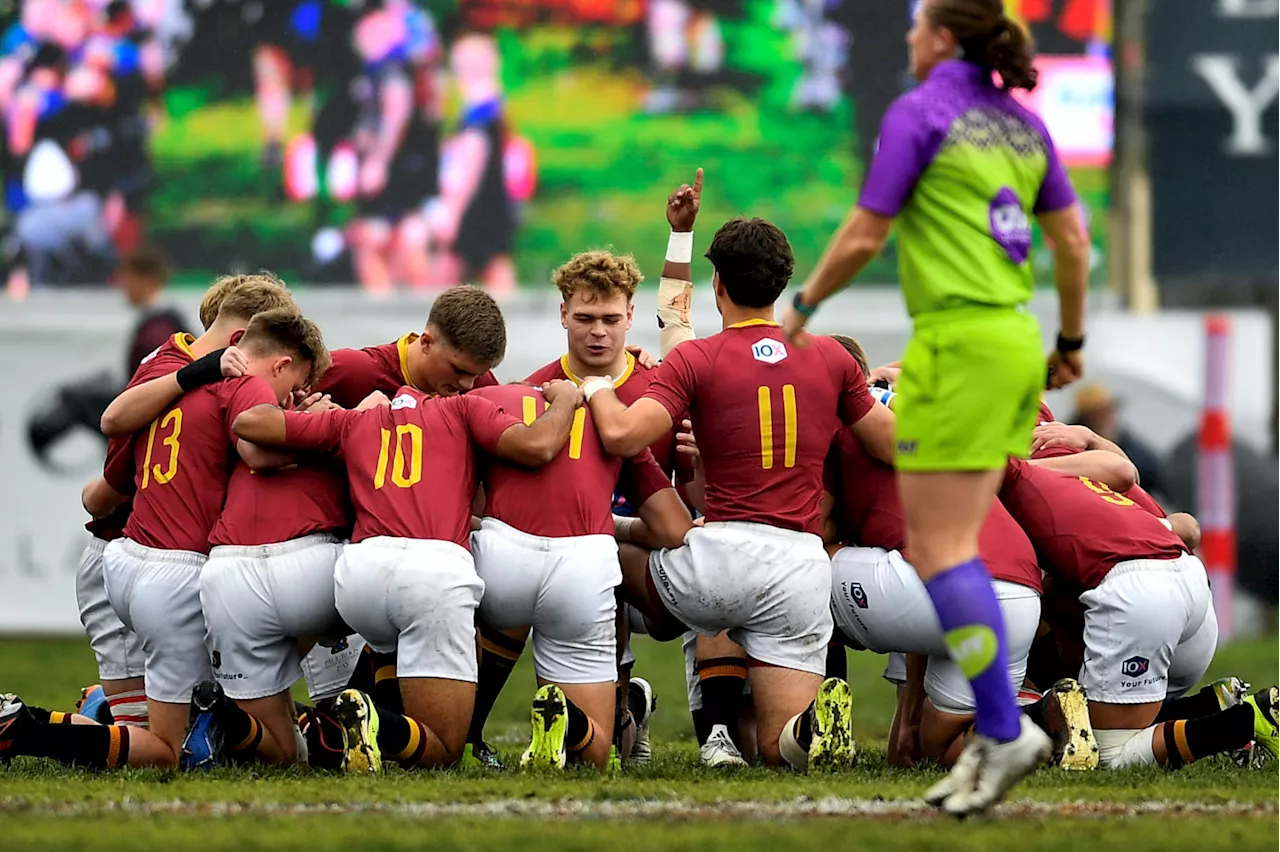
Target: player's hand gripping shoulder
<point>541,441</point>
<point>377,399</point>
<point>233,363</point>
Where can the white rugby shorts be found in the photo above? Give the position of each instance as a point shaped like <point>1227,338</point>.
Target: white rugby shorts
<point>770,588</point>
<point>1137,620</point>
<point>258,602</point>
<point>156,593</point>
<point>329,665</point>
<point>414,597</point>
<point>879,601</point>
<point>561,587</point>
<point>117,648</point>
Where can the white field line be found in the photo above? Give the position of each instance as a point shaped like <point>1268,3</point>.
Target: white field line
<point>634,809</point>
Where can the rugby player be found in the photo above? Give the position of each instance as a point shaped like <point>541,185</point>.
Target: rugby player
<point>1147,631</point>
<point>454,353</point>
<point>549,560</point>
<point>426,615</point>
<point>199,360</point>
<point>268,584</point>
<point>596,311</point>
<point>152,574</point>
<point>757,567</point>
<point>245,295</point>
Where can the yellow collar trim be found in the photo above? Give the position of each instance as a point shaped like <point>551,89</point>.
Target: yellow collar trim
<point>183,341</point>
<point>402,347</point>
<point>617,383</point>
<point>751,322</point>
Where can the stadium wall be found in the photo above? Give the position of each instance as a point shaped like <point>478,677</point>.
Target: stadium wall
<point>56,340</point>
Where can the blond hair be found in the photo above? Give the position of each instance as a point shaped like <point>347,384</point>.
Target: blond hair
<point>248,295</point>
<point>601,273</point>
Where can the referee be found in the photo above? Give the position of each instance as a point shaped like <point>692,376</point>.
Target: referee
<point>962,167</point>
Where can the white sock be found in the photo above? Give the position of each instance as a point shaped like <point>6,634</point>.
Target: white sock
<point>792,752</point>
<point>1120,748</point>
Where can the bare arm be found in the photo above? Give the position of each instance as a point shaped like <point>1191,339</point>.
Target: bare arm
<point>1185,527</point>
<point>1071,250</point>
<point>100,499</point>
<point>664,521</point>
<point>1071,276</point>
<point>262,424</point>
<point>856,244</point>
<point>875,431</point>
<point>137,406</point>
<point>1055,434</point>
<point>1116,472</point>
<point>260,458</point>
<point>626,430</point>
<point>539,442</point>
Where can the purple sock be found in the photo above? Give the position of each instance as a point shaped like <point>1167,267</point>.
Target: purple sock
<point>974,631</point>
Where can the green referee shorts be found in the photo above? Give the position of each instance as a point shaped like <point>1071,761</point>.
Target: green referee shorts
<point>969,391</point>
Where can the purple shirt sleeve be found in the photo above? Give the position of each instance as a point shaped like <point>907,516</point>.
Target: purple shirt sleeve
<point>902,154</point>
<point>1056,191</point>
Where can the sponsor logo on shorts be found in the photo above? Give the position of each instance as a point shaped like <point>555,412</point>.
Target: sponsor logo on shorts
<point>768,351</point>
<point>907,448</point>
<point>858,595</point>
<point>339,646</point>
<point>215,659</point>
<point>666,584</point>
<point>1135,667</point>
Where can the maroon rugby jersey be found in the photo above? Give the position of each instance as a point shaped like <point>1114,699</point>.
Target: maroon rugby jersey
<point>411,466</point>
<point>869,513</point>
<point>183,462</point>
<point>765,412</point>
<point>1080,528</point>
<point>356,373</point>
<point>273,506</point>
<point>573,494</point>
<point>172,355</point>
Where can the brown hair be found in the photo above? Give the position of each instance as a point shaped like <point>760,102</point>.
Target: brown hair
<point>855,349</point>
<point>468,319</point>
<point>753,259</point>
<point>248,295</point>
<point>285,331</point>
<point>145,262</point>
<point>601,273</point>
<point>989,38</point>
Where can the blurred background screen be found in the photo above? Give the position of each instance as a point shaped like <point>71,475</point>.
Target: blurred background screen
<point>340,141</point>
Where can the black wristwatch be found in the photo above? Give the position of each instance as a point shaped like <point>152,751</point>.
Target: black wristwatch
<point>802,309</point>
<point>1070,344</point>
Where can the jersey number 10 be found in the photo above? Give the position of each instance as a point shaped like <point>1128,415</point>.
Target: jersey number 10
<point>764,401</point>
<point>406,471</point>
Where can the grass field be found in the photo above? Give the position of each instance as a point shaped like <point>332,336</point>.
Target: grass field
<point>673,804</point>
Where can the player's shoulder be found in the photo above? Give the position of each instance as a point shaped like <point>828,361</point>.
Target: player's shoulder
<point>546,373</point>
<point>508,393</point>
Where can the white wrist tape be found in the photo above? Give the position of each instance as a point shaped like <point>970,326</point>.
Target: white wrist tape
<point>680,247</point>
<point>594,384</point>
<point>622,525</point>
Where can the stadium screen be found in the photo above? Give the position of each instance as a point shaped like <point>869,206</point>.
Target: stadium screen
<point>341,141</point>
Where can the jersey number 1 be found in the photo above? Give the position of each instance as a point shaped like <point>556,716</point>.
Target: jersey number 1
<point>529,408</point>
<point>764,399</point>
<point>406,472</point>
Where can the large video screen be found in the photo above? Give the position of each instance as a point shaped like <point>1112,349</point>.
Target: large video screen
<point>398,144</point>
